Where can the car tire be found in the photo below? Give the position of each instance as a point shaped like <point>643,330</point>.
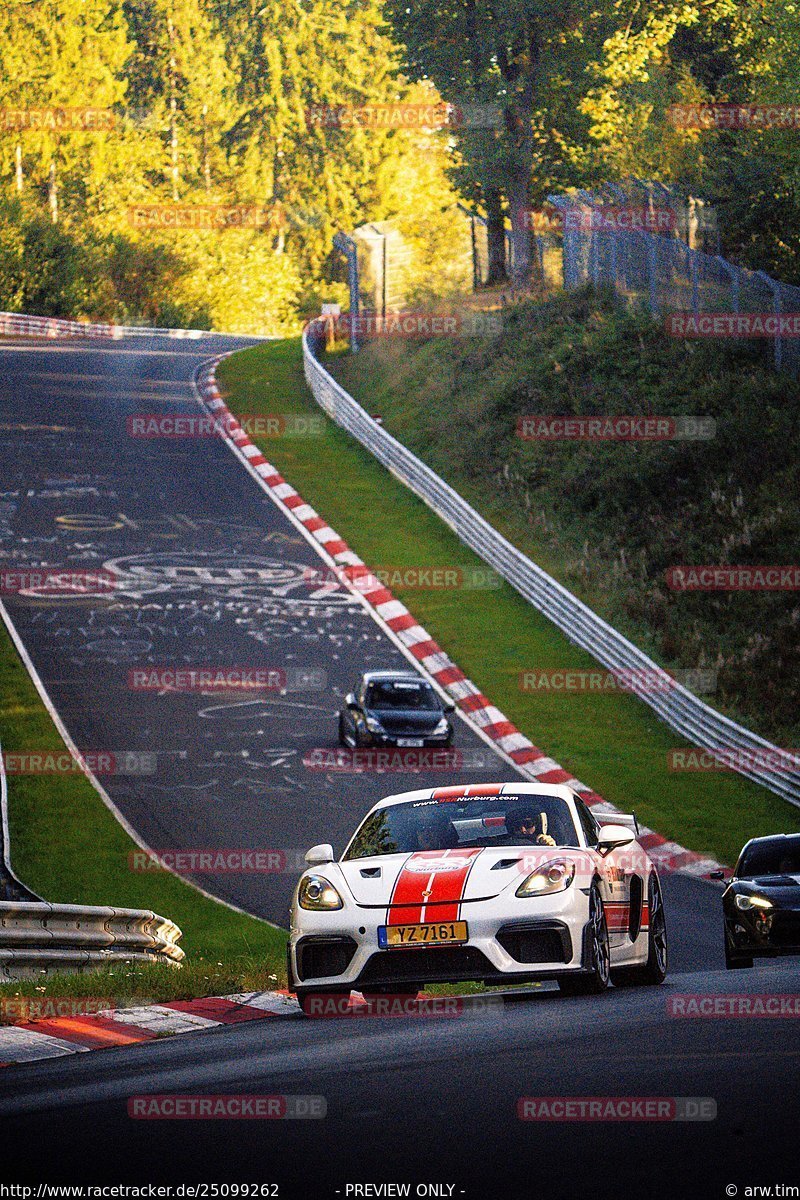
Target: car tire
<point>595,979</point>
<point>654,970</point>
<point>342,734</point>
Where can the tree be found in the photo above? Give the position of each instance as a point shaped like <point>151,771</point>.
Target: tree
<point>527,57</point>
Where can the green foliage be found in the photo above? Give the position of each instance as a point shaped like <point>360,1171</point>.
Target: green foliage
<point>609,519</point>
<point>210,99</point>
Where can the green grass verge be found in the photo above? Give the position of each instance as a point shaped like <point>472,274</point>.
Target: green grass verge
<point>125,984</point>
<point>69,847</point>
<point>609,519</point>
<point>611,741</point>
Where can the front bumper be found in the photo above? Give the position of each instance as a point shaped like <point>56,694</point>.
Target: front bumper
<point>422,739</point>
<point>768,935</point>
<point>520,945</point>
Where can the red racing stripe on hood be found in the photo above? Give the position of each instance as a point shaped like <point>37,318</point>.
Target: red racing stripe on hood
<point>430,877</point>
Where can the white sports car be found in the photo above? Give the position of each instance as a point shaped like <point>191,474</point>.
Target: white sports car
<point>504,883</point>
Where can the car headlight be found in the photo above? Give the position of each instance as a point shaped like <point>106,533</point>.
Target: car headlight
<point>443,726</point>
<point>745,902</point>
<point>317,893</point>
<point>554,876</point>
<point>374,725</point>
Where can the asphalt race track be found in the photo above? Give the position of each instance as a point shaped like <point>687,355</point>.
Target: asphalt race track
<point>434,1100</point>
<point>213,575</point>
<point>408,1099</point>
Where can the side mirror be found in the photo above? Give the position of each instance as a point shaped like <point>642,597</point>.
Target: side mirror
<point>720,875</point>
<point>350,700</point>
<point>611,837</point>
<point>449,706</point>
<point>318,855</point>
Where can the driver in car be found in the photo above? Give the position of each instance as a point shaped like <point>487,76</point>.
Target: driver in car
<point>528,828</point>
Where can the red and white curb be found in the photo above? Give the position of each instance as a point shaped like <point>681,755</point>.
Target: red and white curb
<point>58,1036</point>
<point>491,724</point>
<point>33,1040</point>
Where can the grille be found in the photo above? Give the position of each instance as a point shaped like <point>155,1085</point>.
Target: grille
<point>443,964</point>
<point>536,943</point>
<point>403,727</point>
<point>785,929</point>
<point>320,957</point>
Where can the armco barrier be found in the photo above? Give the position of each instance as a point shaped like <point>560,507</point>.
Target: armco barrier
<point>675,705</point>
<point>40,937</point>
<point>20,325</point>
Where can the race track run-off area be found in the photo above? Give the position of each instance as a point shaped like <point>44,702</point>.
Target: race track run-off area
<point>215,575</point>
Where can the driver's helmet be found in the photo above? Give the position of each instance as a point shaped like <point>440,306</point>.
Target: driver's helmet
<point>524,821</point>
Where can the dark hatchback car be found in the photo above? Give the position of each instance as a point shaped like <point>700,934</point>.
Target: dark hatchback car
<point>761,903</point>
<point>395,708</point>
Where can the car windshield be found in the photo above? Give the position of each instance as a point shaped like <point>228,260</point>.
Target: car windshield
<point>513,820</point>
<point>770,858</point>
<point>401,693</point>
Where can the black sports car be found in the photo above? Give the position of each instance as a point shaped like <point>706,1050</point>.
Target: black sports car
<point>395,708</point>
<point>761,903</point>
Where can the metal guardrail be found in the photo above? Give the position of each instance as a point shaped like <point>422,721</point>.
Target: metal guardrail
<point>40,937</point>
<point>703,726</point>
<point>37,937</point>
<point>21,325</point>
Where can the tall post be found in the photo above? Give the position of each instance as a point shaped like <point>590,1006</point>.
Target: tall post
<point>775,288</point>
<point>173,111</point>
<point>18,171</point>
<point>652,268</point>
<point>695,276</point>
<point>348,247</point>
<point>206,164</point>
<point>52,193</point>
